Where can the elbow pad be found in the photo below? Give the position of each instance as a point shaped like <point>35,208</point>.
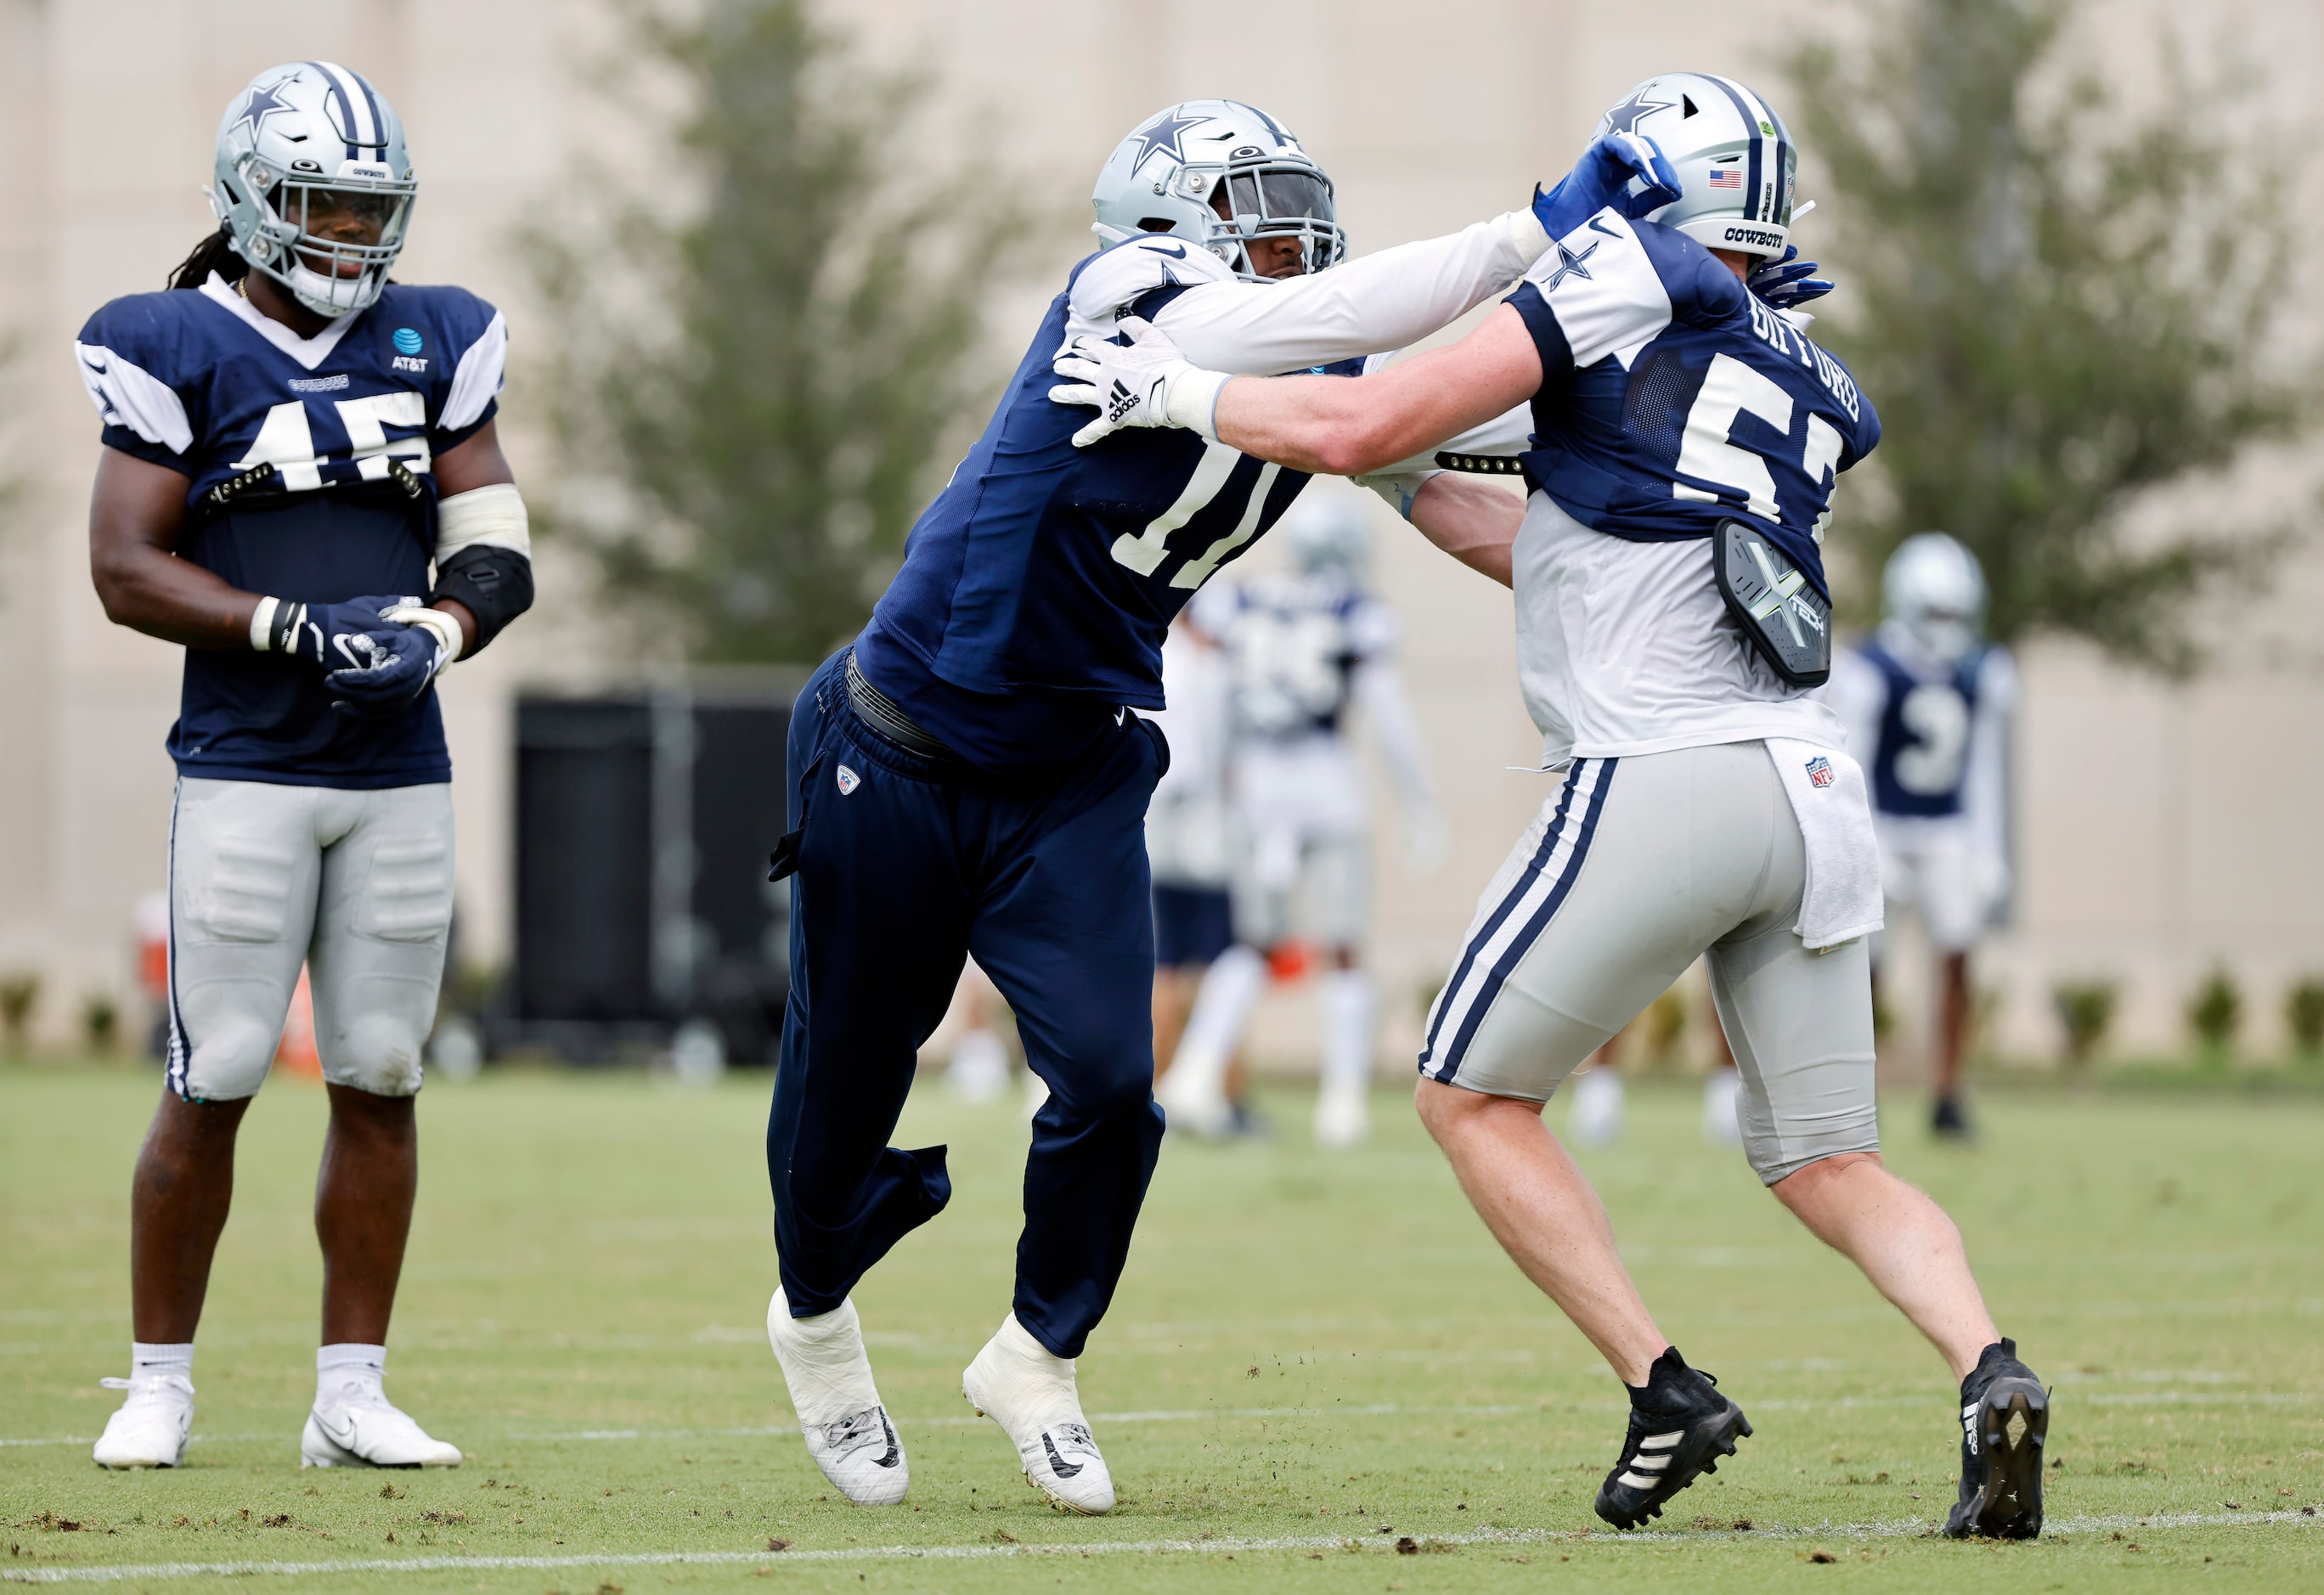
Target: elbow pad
<point>483,557</point>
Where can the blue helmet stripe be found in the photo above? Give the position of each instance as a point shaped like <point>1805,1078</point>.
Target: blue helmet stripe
<point>1751,195</point>
<point>347,107</point>
<point>378,122</point>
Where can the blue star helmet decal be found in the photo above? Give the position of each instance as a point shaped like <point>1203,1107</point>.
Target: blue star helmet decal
<point>1165,131</point>
<point>262,103</point>
<point>1569,264</point>
<point>1626,116</point>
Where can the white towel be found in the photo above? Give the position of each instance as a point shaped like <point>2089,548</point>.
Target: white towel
<point>1841,900</point>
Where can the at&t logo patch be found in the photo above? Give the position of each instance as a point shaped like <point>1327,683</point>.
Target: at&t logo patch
<point>848,780</point>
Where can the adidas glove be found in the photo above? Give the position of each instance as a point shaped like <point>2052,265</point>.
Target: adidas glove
<point>1139,379</point>
<point>1603,177</point>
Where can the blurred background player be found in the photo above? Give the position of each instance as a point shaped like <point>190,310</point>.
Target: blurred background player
<point>285,432</point>
<point>1188,843</point>
<point>1304,647</point>
<point>1595,1119</point>
<point>1928,703</point>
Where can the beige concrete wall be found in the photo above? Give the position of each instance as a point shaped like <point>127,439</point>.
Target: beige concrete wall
<point>2163,829</point>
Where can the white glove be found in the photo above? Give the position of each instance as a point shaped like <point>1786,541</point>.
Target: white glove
<point>1144,383</point>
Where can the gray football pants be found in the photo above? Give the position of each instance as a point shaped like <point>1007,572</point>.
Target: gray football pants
<point>356,886</point>
<point>1636,867</point>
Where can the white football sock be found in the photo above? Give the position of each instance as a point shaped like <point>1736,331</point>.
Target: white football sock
<point>1351,1005</point>
<point>823,1362</point>
<point>1230,990</point>
<point>350,1362</point>
<point>149,1358</point>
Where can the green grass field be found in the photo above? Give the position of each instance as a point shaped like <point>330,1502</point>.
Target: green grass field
<point>1312,1358</point>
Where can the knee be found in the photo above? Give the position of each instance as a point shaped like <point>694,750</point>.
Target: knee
<point>1811,1187</point>
<point>1449,1111</point>
<point>228,1064</point>
<point>377,1054</point>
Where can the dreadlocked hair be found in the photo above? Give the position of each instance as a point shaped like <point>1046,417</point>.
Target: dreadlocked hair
<point>213,253</point>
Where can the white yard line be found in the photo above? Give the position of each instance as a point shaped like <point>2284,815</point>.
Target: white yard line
<point>1375,1542</point>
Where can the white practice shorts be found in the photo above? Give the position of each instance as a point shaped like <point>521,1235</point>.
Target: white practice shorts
<point>1934,869</point>
<point>1635,868</point>
<point>1302,853</point>
<point>357,885</point>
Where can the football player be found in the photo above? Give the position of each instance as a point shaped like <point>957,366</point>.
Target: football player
<point>1304,647</point>
<point>1188,844</point>
<point>1672,624</point>
<point>1931,703</point>
<point>292,443</point>
<point>971,774</point>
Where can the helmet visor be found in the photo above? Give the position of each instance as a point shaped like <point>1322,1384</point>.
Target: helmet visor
<point>343,230</point>
<point>1281,198</point>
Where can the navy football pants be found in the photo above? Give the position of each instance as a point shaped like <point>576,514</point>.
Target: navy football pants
<point>906,867</point>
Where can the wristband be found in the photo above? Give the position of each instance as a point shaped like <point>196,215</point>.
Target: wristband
<point>262,626</point>
<point>1191,399</point>
<point>445,628</point>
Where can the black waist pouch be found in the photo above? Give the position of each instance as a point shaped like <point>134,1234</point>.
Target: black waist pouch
<point>1788,621</point>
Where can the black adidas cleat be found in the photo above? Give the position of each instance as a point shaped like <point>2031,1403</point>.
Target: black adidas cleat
<point>2005,1425</point>
<point>1680,1426</point>
<point>1948,1121</point>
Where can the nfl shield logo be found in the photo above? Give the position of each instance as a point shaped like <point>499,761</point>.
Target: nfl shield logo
<point>1819,772</point>
<point>848,780</point>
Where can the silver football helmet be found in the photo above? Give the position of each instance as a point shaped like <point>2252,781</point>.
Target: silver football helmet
<point>1934,589</point>
<point>314,185</point>
<point>1166,178</point>
<point>1327,530</point>
<point>1735,161</point>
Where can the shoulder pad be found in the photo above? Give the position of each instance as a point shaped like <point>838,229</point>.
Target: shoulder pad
<point>1109,283</point>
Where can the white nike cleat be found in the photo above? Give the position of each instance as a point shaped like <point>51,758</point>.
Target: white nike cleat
<point>847,1430</point>
<point>1029,1393</point>
<point>354,1424</point>
<point>1195,1109</point>
<point>1342,1118</point>
<point>151,1428</point>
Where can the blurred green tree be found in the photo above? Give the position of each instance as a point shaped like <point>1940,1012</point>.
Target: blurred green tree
<point>2059,302</point>
<point>766,338</point>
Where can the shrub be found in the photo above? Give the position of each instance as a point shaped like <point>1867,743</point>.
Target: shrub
<point>2215,1012</point>
<point>100,1022</point>
<point>2085,1012</point>
<point>20,994</point>
<point>2303,1016</point>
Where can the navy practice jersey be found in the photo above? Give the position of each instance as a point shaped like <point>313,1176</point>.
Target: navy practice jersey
<point>1037,587</point>
<point>1671,398</point>
<point>1293,640</point>
<point>1921,758</point>
<point>348,422</point>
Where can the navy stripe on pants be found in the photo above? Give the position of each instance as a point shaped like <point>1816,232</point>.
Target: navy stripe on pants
<point>905,867</point>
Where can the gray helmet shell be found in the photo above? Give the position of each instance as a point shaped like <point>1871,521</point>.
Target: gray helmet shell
<point>1737,165</point>
<point>1934,588</point>
<point>299,129</point>
<point>1170,170</point>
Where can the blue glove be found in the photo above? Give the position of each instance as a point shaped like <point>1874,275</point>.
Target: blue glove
<point>1787,282</point>
<point>318,634</point>
<point>1602,177</point>
<point>397,664</point>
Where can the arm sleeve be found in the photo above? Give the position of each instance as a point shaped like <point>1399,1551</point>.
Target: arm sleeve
<point>1381,301</point>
